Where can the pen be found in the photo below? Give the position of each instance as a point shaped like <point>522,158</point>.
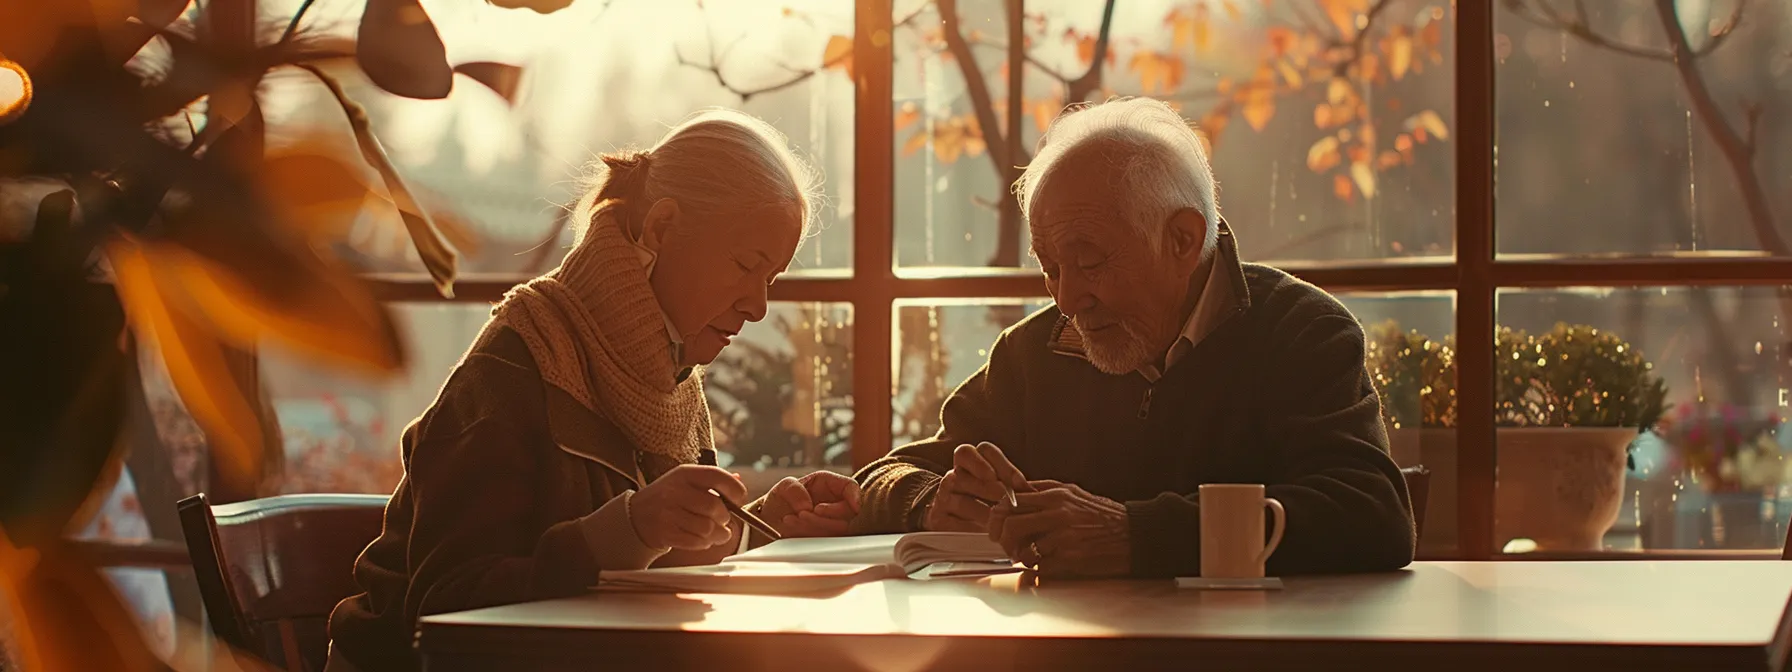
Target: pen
<point>992,571</point>
<point>1008,494</point>
<point>748,518</point>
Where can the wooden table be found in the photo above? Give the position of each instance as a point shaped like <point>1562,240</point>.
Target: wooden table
<point>1681,615</point>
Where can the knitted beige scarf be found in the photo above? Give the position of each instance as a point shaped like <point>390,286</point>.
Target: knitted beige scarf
<point>596,331</point>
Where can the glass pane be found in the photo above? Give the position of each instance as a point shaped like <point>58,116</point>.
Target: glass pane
<point>1408,356</point>
<point>1598,128</point>
<point>779,396</point>
<point>1325,151</point>
<point>1577,369</point>
<point>592,81</point>
<point>940,343</point>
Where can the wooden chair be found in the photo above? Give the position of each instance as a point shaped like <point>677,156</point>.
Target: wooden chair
<point>1786,552</point>
<point>1418,484</point>
<point>270,570</point>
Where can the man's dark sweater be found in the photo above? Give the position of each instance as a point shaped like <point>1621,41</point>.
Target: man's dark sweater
<point>1277,394</point>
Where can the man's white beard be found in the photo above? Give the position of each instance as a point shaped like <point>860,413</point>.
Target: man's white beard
<point>1115,356</point>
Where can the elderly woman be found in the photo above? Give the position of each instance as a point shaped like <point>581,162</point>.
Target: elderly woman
<point>574,437</point>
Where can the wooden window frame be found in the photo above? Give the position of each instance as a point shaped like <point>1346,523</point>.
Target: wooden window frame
<point>1475,274</point>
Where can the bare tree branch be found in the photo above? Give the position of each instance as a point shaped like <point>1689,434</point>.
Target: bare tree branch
<point>982,103</point>
<point>1751,122</point>
<point>1362,34</point>
<point>796,75</point>
<point>1580,26</point>
<point>1078,90</point>
<point>1736,148</point>
<point>714,66</point>
<point>1031,61</point>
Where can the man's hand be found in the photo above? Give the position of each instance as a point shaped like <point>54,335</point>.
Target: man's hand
<point>820,504</point>
<point>972,485</point>
<point>1064,531</point>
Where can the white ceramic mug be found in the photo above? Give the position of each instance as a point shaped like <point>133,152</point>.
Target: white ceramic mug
<point>1232,539</point>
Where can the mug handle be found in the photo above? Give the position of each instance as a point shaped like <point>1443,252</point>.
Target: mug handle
<point>1275,538</point>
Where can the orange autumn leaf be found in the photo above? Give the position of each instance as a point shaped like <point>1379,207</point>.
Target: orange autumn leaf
<point>1430,123</point>
<point>915,143</point>
<point>64,615</point>
<point>974,144</point>
<point>196,360</point>
<point>1289,74</point>
<point>1260,100</point>
<point>1420,135</point>
<point>1190,27</point>
<point>1044,111</point>
<point>315,191</point>
<point>1403,142</point>
<point>1323,155</point>
<point>1280,40</point>
<point>1322,116</point>
<point>907,115</point>
<point>1369,68</point>
<point>1260,109</point>
<point>1158,72</point>
<point>1432,35</point>
<point>1339,90</point>
<point>838,54</point>
<point>1085,46</point>
<point>1399,51</point>
<point>1343,14</point>
<point>1357,153</point>
<point>1366,134</point>
<point>1364,176</point>
<point>1341,188</point>
<point>1388,159</point>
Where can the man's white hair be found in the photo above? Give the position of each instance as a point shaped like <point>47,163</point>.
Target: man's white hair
<point>1162,167</point>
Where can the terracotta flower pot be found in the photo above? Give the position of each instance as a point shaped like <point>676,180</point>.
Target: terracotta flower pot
<point>1560,487</point>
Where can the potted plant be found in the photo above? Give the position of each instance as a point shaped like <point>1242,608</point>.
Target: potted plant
<point>1735,461</point>
<point>1568,403</point>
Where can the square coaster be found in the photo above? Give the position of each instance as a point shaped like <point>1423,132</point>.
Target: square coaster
<point>1200,583</point>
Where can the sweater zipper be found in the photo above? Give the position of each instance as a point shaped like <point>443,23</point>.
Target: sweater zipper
<point>1145,403</point>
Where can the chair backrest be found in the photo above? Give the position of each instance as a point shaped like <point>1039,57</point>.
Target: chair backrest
<point>1786,552</point>
<point>1418,484</point>
<point>270,570</point>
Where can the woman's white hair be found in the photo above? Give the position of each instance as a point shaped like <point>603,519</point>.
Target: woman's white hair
<point>1162,167</point>
<point>717,164</point>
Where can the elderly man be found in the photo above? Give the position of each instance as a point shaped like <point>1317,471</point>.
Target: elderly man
<point>1165,364</point>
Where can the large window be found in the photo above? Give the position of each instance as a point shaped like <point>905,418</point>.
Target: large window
<point>1633,239</point>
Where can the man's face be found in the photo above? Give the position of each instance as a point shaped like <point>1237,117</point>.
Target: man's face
<point>1125,300</point>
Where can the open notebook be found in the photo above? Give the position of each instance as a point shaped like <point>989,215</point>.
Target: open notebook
<point>806,565</point>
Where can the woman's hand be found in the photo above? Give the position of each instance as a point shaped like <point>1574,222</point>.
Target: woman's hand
<point>679,511</point>
<point>820,504</point>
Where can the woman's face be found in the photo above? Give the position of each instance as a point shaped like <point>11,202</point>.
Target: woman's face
<point>711,277</point>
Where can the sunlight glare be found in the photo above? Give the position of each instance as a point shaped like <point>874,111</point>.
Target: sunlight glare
<point>15,90</point>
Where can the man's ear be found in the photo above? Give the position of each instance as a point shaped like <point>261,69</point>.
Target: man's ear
<point>1186,237</point>
<point>658,223</point>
